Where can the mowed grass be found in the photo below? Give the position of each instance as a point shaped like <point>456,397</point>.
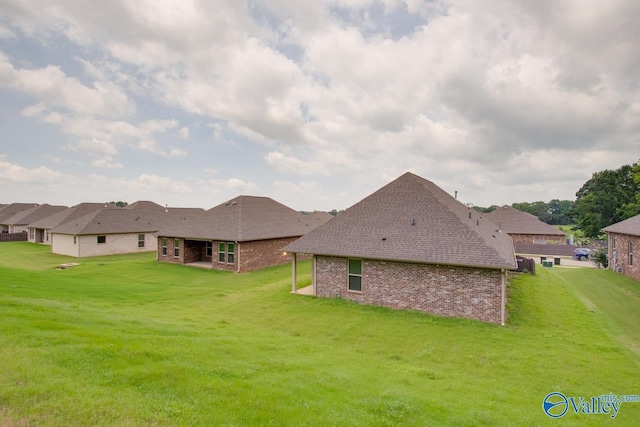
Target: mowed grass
<point>124,340</point>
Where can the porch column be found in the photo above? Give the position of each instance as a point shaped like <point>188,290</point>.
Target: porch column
<point>503,296</point>
<point>294,273</point>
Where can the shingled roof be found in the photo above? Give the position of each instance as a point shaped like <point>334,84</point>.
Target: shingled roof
<point>145,217</point>
<point>411,219</point>
<point>33,214</point>
<point>630,226</point>
<point>69,214</point>
<point>512,221</point>
<point>243,219</point>
<point>14,208</point>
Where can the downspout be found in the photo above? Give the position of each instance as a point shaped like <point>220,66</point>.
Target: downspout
<point>313,275</point>
<point>503,296</point>
<point>238,256</point>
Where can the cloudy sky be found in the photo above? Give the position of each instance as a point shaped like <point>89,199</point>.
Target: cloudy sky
<point>313,103</point>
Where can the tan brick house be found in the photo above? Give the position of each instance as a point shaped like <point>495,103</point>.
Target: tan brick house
<point>40,231</point>
<point>245,233</point>
<point>524,227</point>
<point>624,247</point>
<point>411,245</point>
<point>113,230</point>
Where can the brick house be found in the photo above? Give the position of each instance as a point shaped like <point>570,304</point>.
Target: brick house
<point>624,246</point>
<point>245,233</point>
<point>20,222</point>
<point>411,245</point>
<point>114,230</point>
<point>9,211</point>
<point>40,231</point>
<point>524,227</point>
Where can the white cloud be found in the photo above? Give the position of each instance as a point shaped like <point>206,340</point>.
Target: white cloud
<point>236,185</point>
<point>17,174</point>
<point>291,164</point>
<point>50,86</point>
<point>177,152</point>
<point>106,163</point>
<point>184,132</point>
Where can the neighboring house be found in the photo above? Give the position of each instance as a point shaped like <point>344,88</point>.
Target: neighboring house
<point>9,211</point>
<point>411,245</point>
<point>19,223</point>
<point>524,227</point>
<point>115,230</point>
<point>242,234</point>
<point>624,247</point>
<point>40,231</point>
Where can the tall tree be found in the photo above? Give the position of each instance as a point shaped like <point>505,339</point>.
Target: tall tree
<point>608,197</point>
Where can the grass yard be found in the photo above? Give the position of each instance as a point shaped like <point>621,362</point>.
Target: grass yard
<point>124,340</point>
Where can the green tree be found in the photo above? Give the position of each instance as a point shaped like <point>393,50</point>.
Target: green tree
<point>608,197</point>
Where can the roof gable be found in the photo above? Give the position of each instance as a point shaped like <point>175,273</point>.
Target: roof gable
<point>411,219</point>
<point>242,219</point>
<point>513,221</point>
<point>630,226</point>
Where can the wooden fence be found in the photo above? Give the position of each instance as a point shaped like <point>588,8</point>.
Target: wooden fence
<point>13,237</point>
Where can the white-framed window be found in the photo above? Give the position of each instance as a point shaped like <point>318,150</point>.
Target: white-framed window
<point>354,283</point>
<point>102,239</point>
<point>231,254</point>
<point>630,253</point>
<point>164,246</point>
<point>141,240</point>
<point>226,252</point>
<point>176,247</point>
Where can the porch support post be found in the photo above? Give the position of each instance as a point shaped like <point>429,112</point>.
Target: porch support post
<point>294,273</point>
<point>503,296</point>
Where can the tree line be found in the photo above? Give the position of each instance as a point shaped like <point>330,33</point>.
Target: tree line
<point>610,196</point>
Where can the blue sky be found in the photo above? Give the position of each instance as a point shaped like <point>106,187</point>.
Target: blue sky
<point>313,103</point>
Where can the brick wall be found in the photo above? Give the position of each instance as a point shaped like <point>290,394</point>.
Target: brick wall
<point>538,238</point>
<point>472,293</point>
<point>251,255</point>
<point>169,256</point>
<point>622,251</point>
<point>264,253</point>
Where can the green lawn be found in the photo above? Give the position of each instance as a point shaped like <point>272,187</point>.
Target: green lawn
<point>125,340</point>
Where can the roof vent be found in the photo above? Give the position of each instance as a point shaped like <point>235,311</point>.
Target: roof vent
<point>384,239</point>
<point>477,222</point>
<point>469,214</point>
<point>413,222</point>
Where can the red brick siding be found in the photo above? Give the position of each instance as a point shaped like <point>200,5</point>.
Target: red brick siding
<point>622,250</point>
<point>264,253</point>
<point>169,256</point>
<point>473,293</point>
<point>537,238</point>
<point>251,255</point>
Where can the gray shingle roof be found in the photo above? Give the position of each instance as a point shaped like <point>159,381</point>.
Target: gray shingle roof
<point>68,214</point>
<point>513,221</point>
<point>33,214</point>
<point>411,219</point>
<point>243,219</point>
<point>141,218</point>
<point>630,226</point>
<point>14,208</point>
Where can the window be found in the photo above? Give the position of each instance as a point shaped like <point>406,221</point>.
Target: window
<point>46,235</point>
<point>230,253</point>
<point>209,248</point>
<point>176,247</point>
<point>630,253</point>
<point>164,246</point>
<point>102,239</point>
<point>32,233</point>
<point>226,252</point>
<point>222,256</point>
<point>355,275</point>
<point>141,240</point>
